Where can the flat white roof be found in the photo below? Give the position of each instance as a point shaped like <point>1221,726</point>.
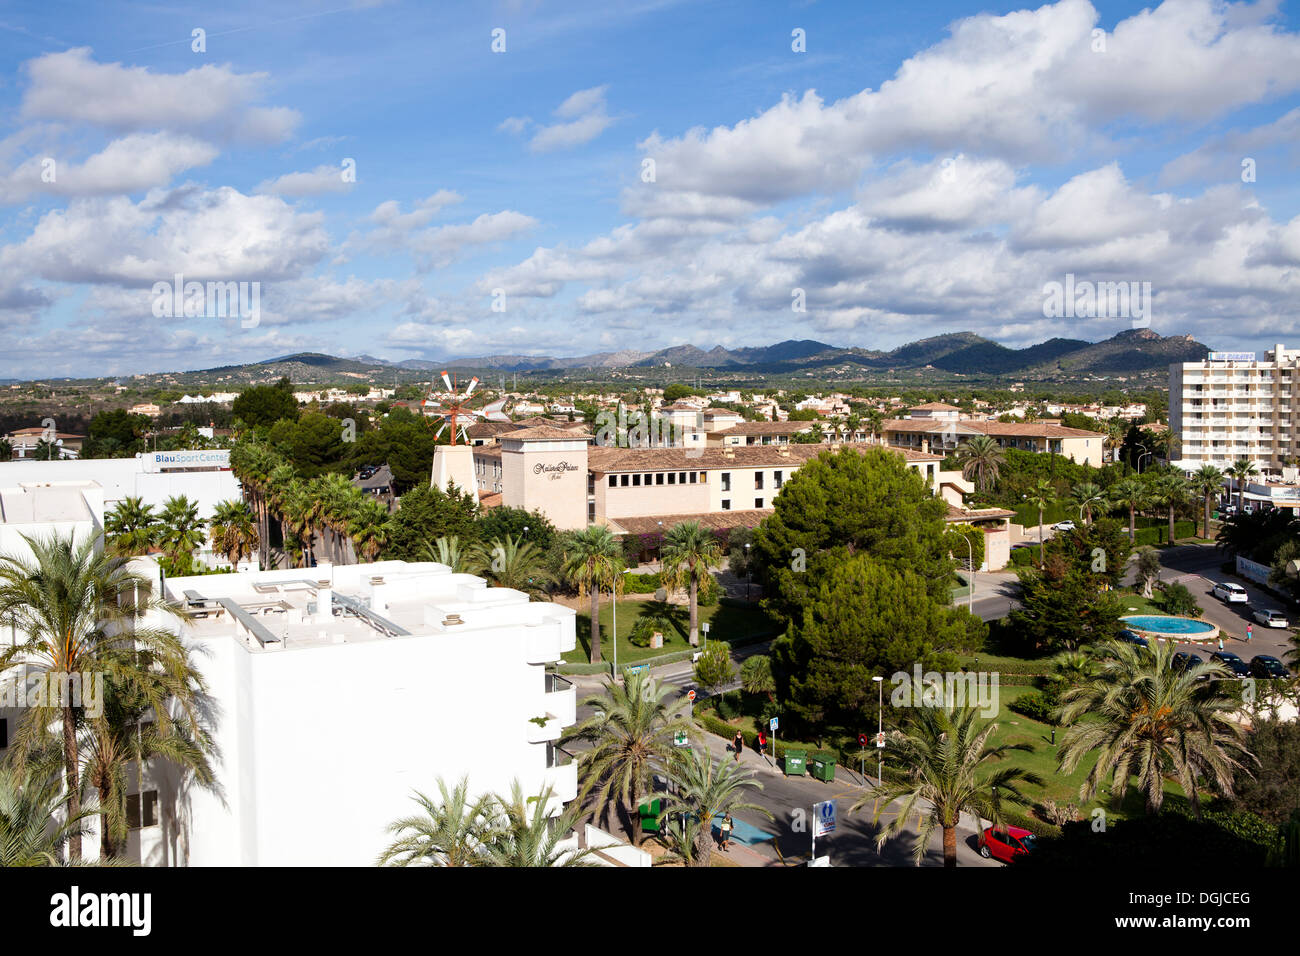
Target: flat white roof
<point>32,503</point>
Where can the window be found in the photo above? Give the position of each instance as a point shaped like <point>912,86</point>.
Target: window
<point>150,810</point>
<point>636,480</point>
<point>613,481</point>
<point>591,511</point>
<point>776,479</point>
<point>758,502</point>
<point>4,733</point>
<point>726,481</point>
<point>672,477</point>
<point>681,478</point>
<point>659,478</point>
<point>726,504</point>
<point>624,482</point>
<point>692,477</point>
<point>758,480</point>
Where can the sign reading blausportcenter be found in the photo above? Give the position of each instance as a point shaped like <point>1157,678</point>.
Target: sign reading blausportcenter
<point>1232,356</point>
<point>208,458</point>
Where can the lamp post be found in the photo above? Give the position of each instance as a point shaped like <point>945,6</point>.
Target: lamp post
<point>970,563</point>
<point>613,600</point>
<point>749,575</point>
<point>880,729</point>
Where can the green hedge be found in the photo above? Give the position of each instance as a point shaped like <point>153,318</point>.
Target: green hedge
<point>641,583</point>
<point>1027,514</point>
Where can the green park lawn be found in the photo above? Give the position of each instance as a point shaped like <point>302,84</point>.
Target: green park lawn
<point>727,622</point>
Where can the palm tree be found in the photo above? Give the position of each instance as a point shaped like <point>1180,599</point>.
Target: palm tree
<point>1132,494</point>
<point>448,550</point>
<point>593,561</point>
<point>1114,438</point>
<point>1208,483</point>
<point>297,506</point>
<point>252,463</point>
<point>1170,489</point>
<point>368,527</point>
<point>1153,720</point>
<point>1240,472</point>
<point>1088,496</point>
<point>124,735</point>
<point>449,832</point>
<point>131,527</point>
<point>232,531</point>
<point>35,823</point>
<point>707,789</point>
<point>74,611</point>
<point>688,551</point>
<point>631,737</point>
<point>946,757</point>
<point>528,836</point>
<point>980,458</point>
<point>1042,496</point>
<point>518,564</point>
<point>182,528</point>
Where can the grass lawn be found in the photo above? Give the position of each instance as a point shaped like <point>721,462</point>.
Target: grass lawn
<point>1133,603</point>
<point>726,623</point>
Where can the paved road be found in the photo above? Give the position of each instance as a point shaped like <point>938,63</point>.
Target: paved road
<point>1197,566</point>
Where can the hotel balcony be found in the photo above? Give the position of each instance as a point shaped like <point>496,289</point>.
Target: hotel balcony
<point>561,774</point>
<point>559,707</point>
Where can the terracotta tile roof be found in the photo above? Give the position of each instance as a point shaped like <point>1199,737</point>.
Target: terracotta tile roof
<point>544,432</point>
<point>937,407</point>
<point>537,421</point>
<point>489,499</point>
<point>956,514</point>
<point>968,426</point>
<point>603,460</point>
<point>712,520</point>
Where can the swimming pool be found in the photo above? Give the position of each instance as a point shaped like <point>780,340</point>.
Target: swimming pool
<point>1168,626</point>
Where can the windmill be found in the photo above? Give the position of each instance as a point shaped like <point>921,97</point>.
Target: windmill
<point>455,406</point>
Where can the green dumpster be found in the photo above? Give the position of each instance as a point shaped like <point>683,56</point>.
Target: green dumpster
<point>823,767</point>
<point>650,816</point>
<point>795,761</point>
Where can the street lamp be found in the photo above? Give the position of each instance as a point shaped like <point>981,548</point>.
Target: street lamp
<point>880,729</point>
<point>749,575</point>
<point>613,599</point>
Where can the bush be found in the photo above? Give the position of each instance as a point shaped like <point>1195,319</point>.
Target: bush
<point>641,583</point>
<point>1176,599</point>
<point>1033,705</point>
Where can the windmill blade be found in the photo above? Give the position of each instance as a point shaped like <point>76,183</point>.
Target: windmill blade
<point>446,380</point>
<point>473,384</point>
<point>438,433</point>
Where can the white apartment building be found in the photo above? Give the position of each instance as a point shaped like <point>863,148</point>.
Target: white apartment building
<point>40,510</point>
<point>1233,406</point>
<point>338,691</point>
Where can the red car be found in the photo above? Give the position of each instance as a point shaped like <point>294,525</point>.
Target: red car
<point>1005,844</point>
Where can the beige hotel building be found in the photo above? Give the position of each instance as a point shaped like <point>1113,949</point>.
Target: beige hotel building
<point>554,469</point>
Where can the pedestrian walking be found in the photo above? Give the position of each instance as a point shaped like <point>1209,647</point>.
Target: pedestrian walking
<point>1250,629</point>
<point>1221,642</point>
<point>738,744</point>
<point>762,743</point>
<point>725,830</point>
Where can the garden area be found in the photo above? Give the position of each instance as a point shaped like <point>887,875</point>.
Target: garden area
<point>736,622</point>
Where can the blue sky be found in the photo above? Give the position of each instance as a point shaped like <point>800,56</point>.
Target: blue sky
<point>916,169</point>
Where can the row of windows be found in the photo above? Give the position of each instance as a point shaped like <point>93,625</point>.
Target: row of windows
<point>659,478</point>
<point>778,479</point>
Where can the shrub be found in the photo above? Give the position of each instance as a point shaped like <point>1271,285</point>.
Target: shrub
<point>1176,599</point>
<point>1033,705</point>
<point>641,583</point>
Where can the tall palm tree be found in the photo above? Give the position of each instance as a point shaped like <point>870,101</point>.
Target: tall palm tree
<point>252,463</point>
<point>1114,436</point>
<point>981,459</point>
<point>131,527</point>
<point>515,563</point>
<point>1132,494</point>
<point>467,559</point>
<point>1242,471</point>
<point>707,789</point>
<point>298,508</point>
<point>368,527</point>
<point>1208,483</point>
<point>35,822</point>
<point>631,736</point>
<point>593,561</point>
<point>124,735</point>
<point>1088,496</point>
<point>1149,719</point>
<point>232,531</point>
<point>528,836</point>
<point>1042,496</point>
<point>451,831</point>
<point>1171,490</point>
<point>950,766</point>
<point>688,551</point>
<point>74,611</point>
<point>182,528</point>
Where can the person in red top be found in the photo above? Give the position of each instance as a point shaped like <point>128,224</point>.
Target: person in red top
<point>762,743</point>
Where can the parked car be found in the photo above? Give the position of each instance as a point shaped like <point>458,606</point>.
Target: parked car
<point>1005,844</point>
<point>1271,618</point>
<point>1063,526</point>
<point>1232,662</point>
<point>1230,593</point>
<point>1132,637</point>
<point>1186,660</point>
<point>1267,666</point>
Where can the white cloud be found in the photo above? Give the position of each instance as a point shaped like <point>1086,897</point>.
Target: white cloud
<point>585,116</point>
<point>322,179</point>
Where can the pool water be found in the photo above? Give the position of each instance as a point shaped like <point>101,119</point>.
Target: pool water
<point>1168,625</point>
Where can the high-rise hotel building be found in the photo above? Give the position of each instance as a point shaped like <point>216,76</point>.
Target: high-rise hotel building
<point>1232,406</point>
